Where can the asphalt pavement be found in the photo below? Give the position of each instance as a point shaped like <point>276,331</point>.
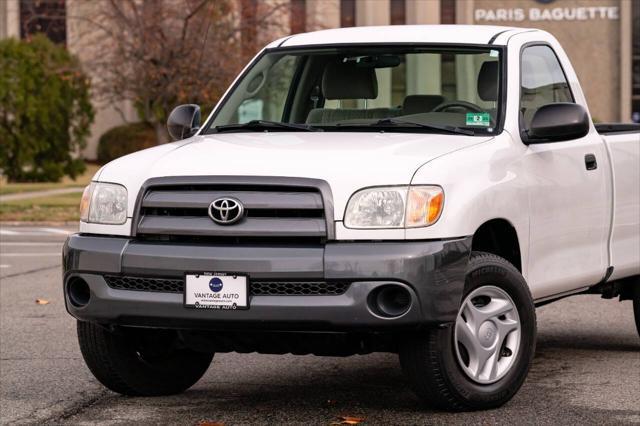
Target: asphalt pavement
<point>586,369</point>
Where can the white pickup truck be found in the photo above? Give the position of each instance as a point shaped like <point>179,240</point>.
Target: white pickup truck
<point>410,189</point>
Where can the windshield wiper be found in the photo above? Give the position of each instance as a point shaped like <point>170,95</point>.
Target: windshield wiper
<point>258,125</point>
<point>449,129</point>
<point>386,122</point>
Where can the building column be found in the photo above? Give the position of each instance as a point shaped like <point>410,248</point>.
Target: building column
<point>9,18</point>
<point>423,12</point>
<point>423,72</point>
<point>626,53</point>
<point>464,12</point>
<point>372,12</point>
<point>376,12</point>
<point>465,76</point>
<point>323,14</point>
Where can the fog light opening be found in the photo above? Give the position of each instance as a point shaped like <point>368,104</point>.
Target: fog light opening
<point>390,301</point>
<point>78,292</point>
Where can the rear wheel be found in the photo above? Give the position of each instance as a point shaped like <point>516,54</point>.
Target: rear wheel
<point>482,360</point>
<point>636,308</point>
<point>140,362</point>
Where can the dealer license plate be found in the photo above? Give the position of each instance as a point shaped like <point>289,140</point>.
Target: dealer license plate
<point>211,290</point>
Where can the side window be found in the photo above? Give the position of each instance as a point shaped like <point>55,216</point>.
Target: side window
<point>268,92</point>
<point>542,81</point>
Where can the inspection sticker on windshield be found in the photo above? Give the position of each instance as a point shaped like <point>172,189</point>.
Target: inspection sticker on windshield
<point>482,119</point>
<point>216,291</point>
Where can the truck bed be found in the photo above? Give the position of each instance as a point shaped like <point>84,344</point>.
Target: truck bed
<point>610,128</point>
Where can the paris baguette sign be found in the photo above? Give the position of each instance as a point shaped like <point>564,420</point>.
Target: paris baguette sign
<point>548,13</point>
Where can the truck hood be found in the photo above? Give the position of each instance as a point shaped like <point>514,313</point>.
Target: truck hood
<point>347,161</point>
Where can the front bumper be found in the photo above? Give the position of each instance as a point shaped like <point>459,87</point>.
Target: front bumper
<point>432,271</point>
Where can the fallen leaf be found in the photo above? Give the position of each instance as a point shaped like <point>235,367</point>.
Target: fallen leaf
<point>42,301</point>
<point>349,420</point>
<point>209,423</point>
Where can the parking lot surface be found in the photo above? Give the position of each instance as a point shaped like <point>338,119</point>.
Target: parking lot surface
<point>586,370</point>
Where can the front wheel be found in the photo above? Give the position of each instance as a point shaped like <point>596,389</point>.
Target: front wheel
<point>482,360</point>
<point>140,362</point>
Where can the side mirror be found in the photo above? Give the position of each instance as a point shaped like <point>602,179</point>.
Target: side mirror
<point>184,121</point>
<point>558,122</point>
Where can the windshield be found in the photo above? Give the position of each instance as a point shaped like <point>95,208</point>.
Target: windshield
<point>417,89</point>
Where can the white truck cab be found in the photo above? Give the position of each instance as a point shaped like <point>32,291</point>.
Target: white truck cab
<point>410,189</point>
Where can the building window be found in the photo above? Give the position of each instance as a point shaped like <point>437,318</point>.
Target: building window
<point>635,71</point>
<point>397,12</point>
<point>44,16</point>
<point>347,13</point>
<point>447,11</point>
<point>298,16</point>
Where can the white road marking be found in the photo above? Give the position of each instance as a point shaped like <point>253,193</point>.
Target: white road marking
<point>55,231</point>
<point>5,266</point>
<point>35,232</point>
<point>29,254</point>
<point>31,244</point>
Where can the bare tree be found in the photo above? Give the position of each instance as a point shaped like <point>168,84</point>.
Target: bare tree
<point>161,53</point>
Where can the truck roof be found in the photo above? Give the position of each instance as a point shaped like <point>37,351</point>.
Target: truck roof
<point>441,34</point>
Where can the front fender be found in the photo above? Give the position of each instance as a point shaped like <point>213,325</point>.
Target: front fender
<point>481,183</point>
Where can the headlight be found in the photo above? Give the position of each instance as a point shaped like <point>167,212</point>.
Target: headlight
<point>104,203</point>
<point>394,207</point>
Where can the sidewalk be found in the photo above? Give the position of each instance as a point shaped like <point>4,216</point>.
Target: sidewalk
<point>36,194</point>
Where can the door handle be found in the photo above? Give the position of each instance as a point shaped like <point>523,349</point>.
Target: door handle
<point>590,162</point>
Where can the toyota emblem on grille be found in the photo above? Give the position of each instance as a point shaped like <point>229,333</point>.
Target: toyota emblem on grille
<point>226,211</point>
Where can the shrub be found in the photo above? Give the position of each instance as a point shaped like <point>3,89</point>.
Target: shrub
<point>45,110</point>
<point>125,139</point>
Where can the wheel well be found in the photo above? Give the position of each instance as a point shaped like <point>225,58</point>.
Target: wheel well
<point>500,238</point>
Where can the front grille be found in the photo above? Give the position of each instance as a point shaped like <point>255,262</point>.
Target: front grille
<point>287,209</point>
<point>304,288</point>
<point>162,285</point>
<point>257,288</point>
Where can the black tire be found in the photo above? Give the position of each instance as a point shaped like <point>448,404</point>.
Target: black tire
<point>636,307</point>
<point>429,359</point>
<point>140,362</point>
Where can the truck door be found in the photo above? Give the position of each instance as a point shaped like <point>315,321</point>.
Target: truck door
<point>569,188</point>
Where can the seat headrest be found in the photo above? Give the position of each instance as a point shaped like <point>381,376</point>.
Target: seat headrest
<point>416,104</point>
<point>488,81</point>
<point>345,80</point>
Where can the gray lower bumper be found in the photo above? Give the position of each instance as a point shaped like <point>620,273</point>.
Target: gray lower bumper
<point>432,271</point>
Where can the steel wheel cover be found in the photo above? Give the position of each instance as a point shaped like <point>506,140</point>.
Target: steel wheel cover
<point>487,334</point>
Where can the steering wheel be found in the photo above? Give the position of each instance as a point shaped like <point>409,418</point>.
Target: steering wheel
<point>457,104</point>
